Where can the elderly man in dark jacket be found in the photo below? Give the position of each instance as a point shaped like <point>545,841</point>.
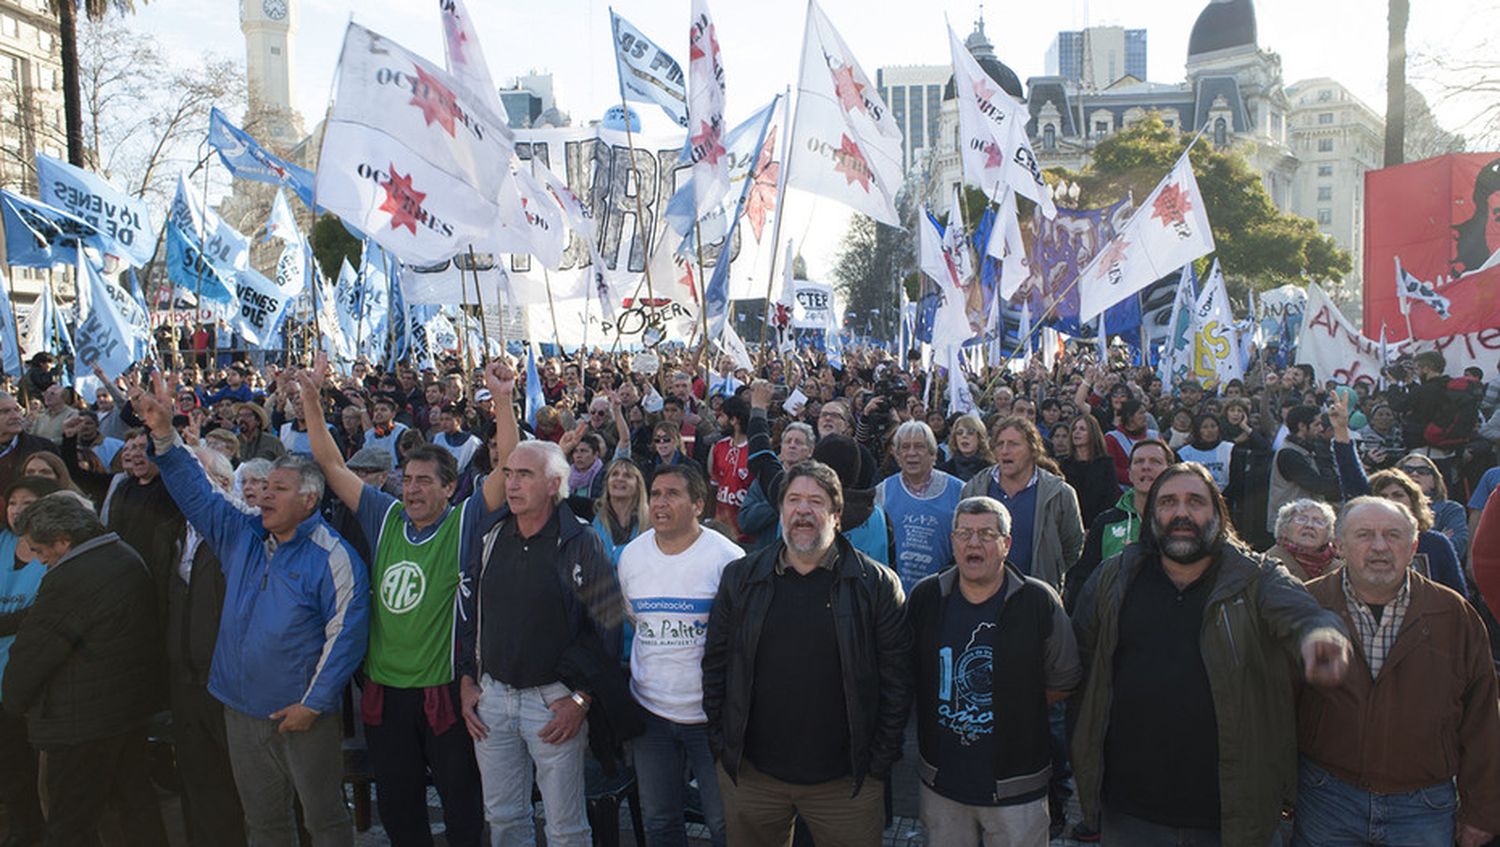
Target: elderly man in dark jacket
<point>84,669</point>
<point>807,677</point>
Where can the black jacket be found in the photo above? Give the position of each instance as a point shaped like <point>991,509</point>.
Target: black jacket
<point>592,602</point>
<point>193,612</point>
<point>874,656</point>
<point>86,662</point>
<point>1034,652</point>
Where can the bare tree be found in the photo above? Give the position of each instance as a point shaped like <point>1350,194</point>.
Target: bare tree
<point>144,118</point>
<point>1425,137</point>
<point>1466,82</point>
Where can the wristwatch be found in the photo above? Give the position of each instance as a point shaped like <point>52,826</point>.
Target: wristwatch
<point>582,701</point>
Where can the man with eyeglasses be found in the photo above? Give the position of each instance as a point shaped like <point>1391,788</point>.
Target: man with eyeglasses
<point>987,641</point>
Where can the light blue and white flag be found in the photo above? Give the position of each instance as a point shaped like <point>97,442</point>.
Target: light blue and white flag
<point>124,222</point>
<point>10,339</point>
<point>113,331</point>
<point>222,245</point>
<point>282,223</point>
<point>716,295</point>
<point>189,271</point>
<point>648,74</point>
<point>372,333</point>
<point>534,396</point>
<point>1177,353</point>
<point>246,159</point>
<point>262,305</point>
<point>40,236</point>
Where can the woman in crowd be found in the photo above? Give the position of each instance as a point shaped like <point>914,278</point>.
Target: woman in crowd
<point>586,475</point>
<point>1181,431</point>
<point>620,509</point>
<point>666,449</point>
<point>1304,539</point>
<point>1130,426</point>
<point>49,465</point>
<point>1089,469</point>
<point>1448,517</point>
<point>20,578</point>
<point>1433,547</point>
<point>1209,450</point>
<point>968,448</point>
<point>1249,472</point>
<point>1380,442</point>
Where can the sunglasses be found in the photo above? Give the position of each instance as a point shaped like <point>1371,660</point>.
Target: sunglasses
<point>663,440</point>
<point>1413,470</point>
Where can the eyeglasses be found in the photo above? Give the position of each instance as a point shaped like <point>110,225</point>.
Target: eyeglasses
<point>1310,520</point>
<point>986,535</point>
<point>1413,470</point>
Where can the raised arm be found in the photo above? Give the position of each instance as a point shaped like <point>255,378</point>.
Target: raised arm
<point>500,379</point>
<point>344,483</point>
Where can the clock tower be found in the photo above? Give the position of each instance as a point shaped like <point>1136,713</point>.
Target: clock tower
<point>268,26</point>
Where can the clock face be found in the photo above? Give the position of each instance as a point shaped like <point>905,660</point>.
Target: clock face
<point>274,9</point>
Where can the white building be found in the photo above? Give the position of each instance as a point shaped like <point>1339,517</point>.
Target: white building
<point>1336,138</point>
<point>268,26</point>
<point>31,108</point>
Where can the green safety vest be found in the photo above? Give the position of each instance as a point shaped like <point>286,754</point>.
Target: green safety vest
<point>415,620</point>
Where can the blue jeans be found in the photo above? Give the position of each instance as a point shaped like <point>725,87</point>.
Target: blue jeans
<point>514,717</point>
<point>662,755</point>
<point>1331,812</point>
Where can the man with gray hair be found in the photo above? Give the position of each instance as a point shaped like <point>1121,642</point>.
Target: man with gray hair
<point>294,628</point>
<point>539,647</point>
<point>987,641</point>
<point>85,670</point>
<point>918,502</point>
<point>1405,744</point>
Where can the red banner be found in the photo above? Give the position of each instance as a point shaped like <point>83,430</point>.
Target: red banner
<point>1440,219</point>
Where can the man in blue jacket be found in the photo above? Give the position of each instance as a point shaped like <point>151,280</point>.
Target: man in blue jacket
<point>293,631</point>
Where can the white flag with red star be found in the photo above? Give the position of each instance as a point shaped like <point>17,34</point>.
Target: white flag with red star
<point>466,60</point>
<point>847,145</point>
<point>1164,233</point>
<point>409,157</point>
<point>705,141</point>
<point>992,134</point>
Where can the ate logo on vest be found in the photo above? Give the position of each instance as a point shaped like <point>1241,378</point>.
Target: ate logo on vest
<point>402,587</point>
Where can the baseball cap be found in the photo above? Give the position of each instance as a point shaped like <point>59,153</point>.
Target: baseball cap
<point>370,459</point>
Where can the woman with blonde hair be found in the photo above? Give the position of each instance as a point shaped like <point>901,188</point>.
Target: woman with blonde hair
<point>969,449</point>
<point>1448,517</point>
<point>620,515</point>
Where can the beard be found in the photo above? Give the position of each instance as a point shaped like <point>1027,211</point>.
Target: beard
<point>1185,549</point>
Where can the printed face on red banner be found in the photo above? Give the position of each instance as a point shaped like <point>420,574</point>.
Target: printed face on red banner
<point>1439,221</point>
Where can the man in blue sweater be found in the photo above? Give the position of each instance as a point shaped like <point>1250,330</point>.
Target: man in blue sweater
<point>293,631</point>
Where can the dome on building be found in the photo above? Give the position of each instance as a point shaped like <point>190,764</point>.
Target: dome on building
<point>984,53</point>
<point>1221,25</point>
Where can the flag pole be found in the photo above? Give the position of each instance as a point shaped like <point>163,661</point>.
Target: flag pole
<point>463,325</point>
<point>781,185</point>
<point>484,331</point>
<point>552,310</point>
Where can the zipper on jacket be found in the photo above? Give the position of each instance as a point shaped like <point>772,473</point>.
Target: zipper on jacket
<point>1234,653</point>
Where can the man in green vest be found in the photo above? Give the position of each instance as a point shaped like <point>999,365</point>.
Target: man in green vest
<point>1119,525</point>
<point>423,553</point>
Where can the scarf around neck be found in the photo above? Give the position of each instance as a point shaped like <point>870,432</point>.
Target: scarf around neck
<point>1314,560</point>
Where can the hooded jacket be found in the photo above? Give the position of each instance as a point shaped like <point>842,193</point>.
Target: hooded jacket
<point>1057,532</point>
<point>296,613</point>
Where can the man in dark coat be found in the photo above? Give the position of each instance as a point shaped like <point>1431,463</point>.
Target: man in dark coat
<point>85,670</point>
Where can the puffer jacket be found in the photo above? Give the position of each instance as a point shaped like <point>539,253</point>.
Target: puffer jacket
<point>1253,624</point>
<point>874,643</point>
<point>296,613</point>
<point>86,662</point>
<point>1057,531</point>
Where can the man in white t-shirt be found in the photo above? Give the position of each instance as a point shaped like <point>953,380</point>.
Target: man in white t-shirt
<point>669,576</point>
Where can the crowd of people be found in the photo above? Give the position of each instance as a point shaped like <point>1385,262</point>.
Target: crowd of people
<point>1244,614</point>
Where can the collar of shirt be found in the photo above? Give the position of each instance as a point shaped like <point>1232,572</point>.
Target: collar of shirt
<point>1036,474</point>
<point>1377,637</point>
<point>826,564</point>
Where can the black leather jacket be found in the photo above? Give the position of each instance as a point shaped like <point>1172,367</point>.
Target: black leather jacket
<point>874,652</point>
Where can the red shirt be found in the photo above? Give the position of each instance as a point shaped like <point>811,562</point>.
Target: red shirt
<point>729,471</point>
